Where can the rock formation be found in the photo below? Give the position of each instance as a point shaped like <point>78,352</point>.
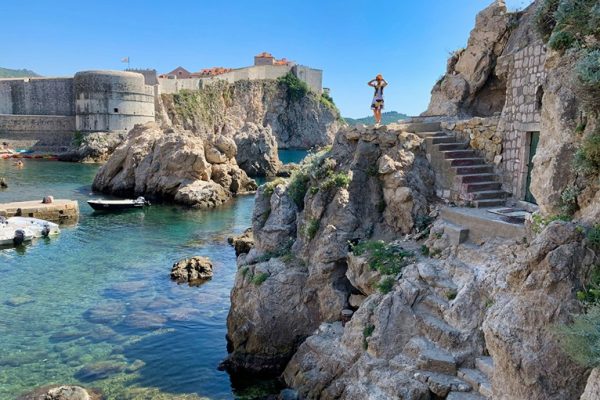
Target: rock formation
<point>372,182</point>
<point>174,165</point>
<point>93,147</point>
<point>62,393</point>
<point>242,243</point>
<point>192,270</point>
<point>258,115</point>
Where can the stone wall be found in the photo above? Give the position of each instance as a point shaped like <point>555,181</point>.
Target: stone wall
<point>312,77</point>
<point>37,96</point>
<point>521,113</point>
<point>35,124</point>
<point>482,135</point>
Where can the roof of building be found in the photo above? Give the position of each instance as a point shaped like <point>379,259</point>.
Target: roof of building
<point>211,71</point>
<point>264,54</point>
<point>177,71</point>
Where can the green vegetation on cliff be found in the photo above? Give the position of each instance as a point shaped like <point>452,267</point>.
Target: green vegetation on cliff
<point>386,118</point>
<point>16,73</point>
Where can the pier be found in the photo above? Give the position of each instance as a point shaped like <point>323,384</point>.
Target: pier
<point>60,211</point>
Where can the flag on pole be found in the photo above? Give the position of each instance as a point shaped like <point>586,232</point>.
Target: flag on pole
<point>125,60</point>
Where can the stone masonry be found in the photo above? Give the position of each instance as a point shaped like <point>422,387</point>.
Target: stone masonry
<point>521,113</point>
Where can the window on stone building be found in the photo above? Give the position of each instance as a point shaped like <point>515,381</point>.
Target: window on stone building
<point>116,110</point>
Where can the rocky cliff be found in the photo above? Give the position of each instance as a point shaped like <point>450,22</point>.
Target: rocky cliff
<point>430,320</point>
<point>261,116</point>
<point>174,165</point>
<point>354,290</point>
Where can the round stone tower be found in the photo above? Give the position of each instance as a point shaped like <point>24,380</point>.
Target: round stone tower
<point>111,101</point>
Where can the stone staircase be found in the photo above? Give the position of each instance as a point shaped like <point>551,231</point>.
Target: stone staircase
<point>462,175</point>
<point>448,360</point>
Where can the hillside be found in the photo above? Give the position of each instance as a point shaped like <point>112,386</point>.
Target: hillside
<point>16,73</point>
<point>386,118</point>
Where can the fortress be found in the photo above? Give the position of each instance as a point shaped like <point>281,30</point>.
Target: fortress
<point>44,114</point>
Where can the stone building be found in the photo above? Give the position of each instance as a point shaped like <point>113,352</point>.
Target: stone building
<point>491,94</point>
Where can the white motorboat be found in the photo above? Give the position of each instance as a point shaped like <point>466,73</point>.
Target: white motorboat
<point>117,205</point>
<point>39,227</point>
<point>18,230</point>
<point>14,237</point>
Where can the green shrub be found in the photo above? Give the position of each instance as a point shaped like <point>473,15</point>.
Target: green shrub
<point>386,284</point>
<point>260,278</point>
<point>544,18</point>
<point>581,339</point>
<point>367,333</point>
<point>451,294</point>
<point>314,190</point>
<point>561,40</point>
<point>245,271</point>
<point>568,200</point>
<point>311,229</point>
<point>296,88</point>
<point>425,250</point>
<point>388,259</point>
<point>422,222</point>
<point>270,186</point>
<point>539,222</point>
<point>340,179</point>
<point>593,236</point>
<point>591,292</point>
<point>588,69</point>
<point>587,158</point>
<point>298,186</point>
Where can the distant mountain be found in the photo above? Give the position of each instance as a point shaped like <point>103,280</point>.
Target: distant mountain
<point>16,73</point>
<point>386,118</point>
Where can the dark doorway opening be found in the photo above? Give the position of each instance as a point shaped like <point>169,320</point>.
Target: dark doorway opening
<point>533,139</point>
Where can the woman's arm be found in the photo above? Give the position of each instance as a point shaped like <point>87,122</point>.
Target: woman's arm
<point>371,82</point>
<point>385,83</point>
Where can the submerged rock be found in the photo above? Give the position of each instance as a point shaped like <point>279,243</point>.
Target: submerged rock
<point>20,300</point>
<point>145,320</point>
<point>3,183</point>
<point>111,313</point>
<point>193,270</point>
<point>99,370</point>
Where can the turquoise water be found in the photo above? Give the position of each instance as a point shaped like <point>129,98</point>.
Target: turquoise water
<point>95,305</point>
<point>291,155</point>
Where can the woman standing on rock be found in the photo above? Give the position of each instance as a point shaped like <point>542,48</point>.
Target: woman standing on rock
<point>377,104</point>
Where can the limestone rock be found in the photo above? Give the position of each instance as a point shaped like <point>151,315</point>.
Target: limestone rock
<point>470,69</point>
<point>242,243</point>
<point>94,147</point>
<point>64,392</point>
<point>172,165</point>
<point>192,270</point>
<point>592,389</point>
<point>257,150</point>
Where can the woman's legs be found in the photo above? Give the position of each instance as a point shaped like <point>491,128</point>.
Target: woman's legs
<point>378,115</point>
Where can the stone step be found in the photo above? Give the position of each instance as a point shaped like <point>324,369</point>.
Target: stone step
<point>430,134</point>
<point>475,169</point>
<point>477,178</point>
<point>452,146</point>
<point>485,365</point>
<point>439,331</point>
<point>455,395</point>
<point>489,203</point>
<point>477,380</point>
<point>441,139</point>
<point>453,154</point>
<point>482,186</point>
<point>418,127</point>
<point>442,384</point>
<point>461,162</point>
<point>430,357</point>
<point>489,195</point>
<point>434,304</point>
<point>456,234</point>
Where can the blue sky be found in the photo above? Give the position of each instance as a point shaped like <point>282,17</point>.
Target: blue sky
<point>351,40</point>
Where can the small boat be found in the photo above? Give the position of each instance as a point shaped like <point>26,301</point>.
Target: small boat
<point>117,205</point>
<point>10,237</point>
<point>38,227</point>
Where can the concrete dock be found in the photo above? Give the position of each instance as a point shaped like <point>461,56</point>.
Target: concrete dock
<point>60,211</point>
